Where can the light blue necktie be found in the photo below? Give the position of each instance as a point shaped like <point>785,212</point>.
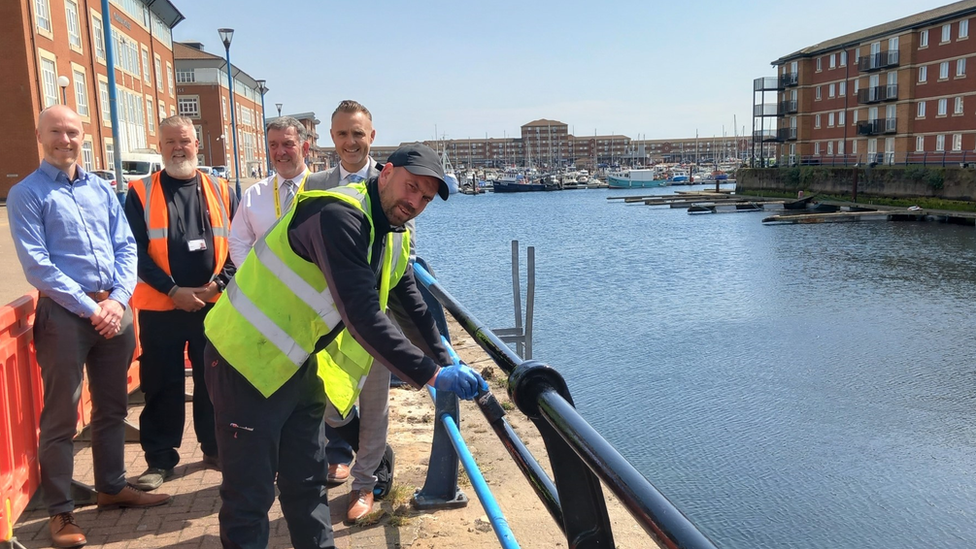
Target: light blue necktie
<point>354,178</point>
<point>289,187</point>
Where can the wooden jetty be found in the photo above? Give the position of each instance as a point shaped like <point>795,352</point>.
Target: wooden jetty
<point>850,216</point>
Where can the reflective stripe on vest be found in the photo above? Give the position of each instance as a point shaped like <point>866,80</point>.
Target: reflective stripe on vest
<point>279,305</point>
<point>156,215</point>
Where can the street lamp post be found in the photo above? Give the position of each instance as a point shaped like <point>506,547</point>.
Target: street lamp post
<point>279,108</point>
<point>63,82</point>
<point>263,88</point>
<point>226,35</point>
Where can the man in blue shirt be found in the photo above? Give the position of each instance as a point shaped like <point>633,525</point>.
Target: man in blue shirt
<point>76,248</point>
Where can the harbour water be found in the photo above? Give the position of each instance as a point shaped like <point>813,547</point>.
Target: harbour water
<point>785,386</point>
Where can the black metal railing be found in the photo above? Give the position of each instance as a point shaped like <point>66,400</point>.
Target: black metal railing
<point>786,134</point>
<point>787,107</point>
<point>877,126</point>
<point>579,456</point>
<point>957,159</point>
<point>766,83</point>
<point>878,61</point>
<point>765,135</point>
<point>877,94</point>
<point>769,109</point>
<point>789,79</point>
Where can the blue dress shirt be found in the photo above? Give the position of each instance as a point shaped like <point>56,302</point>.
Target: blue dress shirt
<point>72,237</point>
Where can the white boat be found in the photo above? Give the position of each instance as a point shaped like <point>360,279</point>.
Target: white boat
<point>449,177</point>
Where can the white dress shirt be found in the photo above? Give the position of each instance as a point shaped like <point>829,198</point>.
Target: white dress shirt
<point>344,174</point>
<point>256,214</point>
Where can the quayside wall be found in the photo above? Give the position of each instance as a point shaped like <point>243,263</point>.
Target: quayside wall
<point>949,183</point>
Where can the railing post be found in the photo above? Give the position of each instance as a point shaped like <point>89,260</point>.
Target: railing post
<point>440,489</point>
<point>586,521</point>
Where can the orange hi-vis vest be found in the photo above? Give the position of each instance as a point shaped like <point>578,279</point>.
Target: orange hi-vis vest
<point>216,194</point>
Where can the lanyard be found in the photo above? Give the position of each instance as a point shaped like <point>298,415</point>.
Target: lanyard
<point>301,187</point>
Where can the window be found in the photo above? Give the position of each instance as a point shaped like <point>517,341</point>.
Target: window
<point>960,67</point>
<point>957,141</point>
<point>172,84</point>
<point>963,29</point>
<point>126,54</point>
<point>943,70</point>
<point>98,36</point>
<point>103,101</point>
<point>943,103</point>
<point>151,115</point>
<point>843,58</point>
<point>841,116</point>
<point>919,143</point>
<point>42,12</point>
<point>189,106</point>
<point>840,147</point>
<point>855,118</point>
<point>830,120</point>
<point>223,103</point>
<point>957,109</point>
<point>74,26</point>
<point>923,39</point>
<point>49,78</point>
<point>816,121</point>
<point>87,156</point>
<point>81,92</point>
<point>146,70</point>
<point>162,110</point>
<point>159,73</point>
<point>830,148</point>
<point>109,153</point>
<point>857,85</point>
<point>921,110</point>
<point>172,110</point>
<point>939,143</point>
<point>831,90</point>
<point>818,93</point>
<point>923,74</point>
<point>842,89</point>
<point>816,148</point>
<point>854,146</point>
<point>833,60</point>
<point>819,64</point>
<point>946,32</point>
<point>185,76</point>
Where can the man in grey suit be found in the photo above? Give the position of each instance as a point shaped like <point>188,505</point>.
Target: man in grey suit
<point>352,132</point>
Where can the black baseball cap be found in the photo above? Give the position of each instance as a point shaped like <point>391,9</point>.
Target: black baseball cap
<point>419,159</point>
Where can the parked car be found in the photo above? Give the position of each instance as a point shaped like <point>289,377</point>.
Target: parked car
<point>219,171</point>
<point>206,169</point>
<point>107,175</point>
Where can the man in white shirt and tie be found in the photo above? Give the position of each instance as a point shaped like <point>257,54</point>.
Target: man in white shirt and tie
<point>265,201</point>
<point>366,428</point>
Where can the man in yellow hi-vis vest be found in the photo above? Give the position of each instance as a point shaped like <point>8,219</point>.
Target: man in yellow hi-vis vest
<point>304,318</point>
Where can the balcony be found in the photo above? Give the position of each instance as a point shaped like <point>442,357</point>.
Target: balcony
<point>789,80</point>
<point>766,135</point>
<point>877,126</point>
<point>877,94</point>
<point>786,134</point>
<point>787,107</point>
<point>878,61</point>
<point>769,109</point>
<point>766,83</point>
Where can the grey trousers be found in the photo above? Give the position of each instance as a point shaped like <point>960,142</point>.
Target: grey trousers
<point>374,420</point>
<point>64,343</point>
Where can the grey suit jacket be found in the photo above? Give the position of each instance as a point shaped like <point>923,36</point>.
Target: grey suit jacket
<point>329,179</point>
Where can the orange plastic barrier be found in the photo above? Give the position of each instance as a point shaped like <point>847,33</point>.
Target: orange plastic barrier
<point>21,400</point>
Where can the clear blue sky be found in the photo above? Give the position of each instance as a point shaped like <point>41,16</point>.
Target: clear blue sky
<point>472,68</point>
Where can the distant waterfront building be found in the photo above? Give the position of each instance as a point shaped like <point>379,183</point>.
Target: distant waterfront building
<point>202,95</point>
<point>893,93</point>
<point>319,158</point>
<point>42,40</point>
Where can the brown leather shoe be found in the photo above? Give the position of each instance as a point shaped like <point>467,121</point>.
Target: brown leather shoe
<point>338,473</point>
<point>360,504</point>
<point>132,498</point>
<point>65,532</point>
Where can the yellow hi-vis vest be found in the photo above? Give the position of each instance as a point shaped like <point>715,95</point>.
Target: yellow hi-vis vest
<point>278,306</point>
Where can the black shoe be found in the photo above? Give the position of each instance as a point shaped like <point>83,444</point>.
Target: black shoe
<point>153,478</point>
<point>384,474</point>
<point>211,462</point>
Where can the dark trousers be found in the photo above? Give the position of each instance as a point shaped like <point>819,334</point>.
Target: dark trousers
<point>162,369</point>
<point>262,437</point>
<point>64,343</point>
<point>337,450</point>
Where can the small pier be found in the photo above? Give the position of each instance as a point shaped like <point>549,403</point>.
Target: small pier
<point>860,213</point>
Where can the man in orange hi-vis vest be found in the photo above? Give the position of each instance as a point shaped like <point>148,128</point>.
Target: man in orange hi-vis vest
<point>180,218</point>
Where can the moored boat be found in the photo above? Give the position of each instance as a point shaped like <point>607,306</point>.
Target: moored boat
<point>633,179</point>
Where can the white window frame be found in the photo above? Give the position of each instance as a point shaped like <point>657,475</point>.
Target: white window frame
<point>923,74</point>
<point>943,107</point>
<point>87,155</point>
<point>961,68</point>
<point>854,146</point>
<point>957,107</point>
<point>841,118</point>
<point>171,84</point>
<point>82,104</point>
<point>956,142</point>
<point>919,143</point>
<point>158,66</point>
<point>833,61</point>
<point>72,17</point>
<point>963,30</point>
<point>946,33</point>
<point>189,105</point>
<point>49,79</point>
<point>830,148</point>
<point>840,147</point>
<point>923,39</point>
<point>920,110</point>
<point>98,36</point>
<point>842,89</point>
<point>103,100</point>
<point>819,94</point>
<point>819,64</point>
<point>42,17</point>
<point>816,121</point>
<point>146,69</point>
<point>944,70</point>
<point>843,58</point>
<point>940,143</point>
<point>832,91</point>
<point>109,150</point>
<point>830,119</point>
<point>150,115</point>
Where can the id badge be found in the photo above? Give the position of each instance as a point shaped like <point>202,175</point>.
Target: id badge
<point>197,245</point>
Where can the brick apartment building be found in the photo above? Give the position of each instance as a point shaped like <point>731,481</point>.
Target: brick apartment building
<point>43,40</point>
<point>202,95</point>
<point>903,91</point>
<point>319,158</point>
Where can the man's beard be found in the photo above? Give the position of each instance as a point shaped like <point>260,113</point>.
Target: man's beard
<point>184,169</point>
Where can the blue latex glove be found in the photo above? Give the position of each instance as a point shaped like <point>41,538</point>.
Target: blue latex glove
<point>461,380</point>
